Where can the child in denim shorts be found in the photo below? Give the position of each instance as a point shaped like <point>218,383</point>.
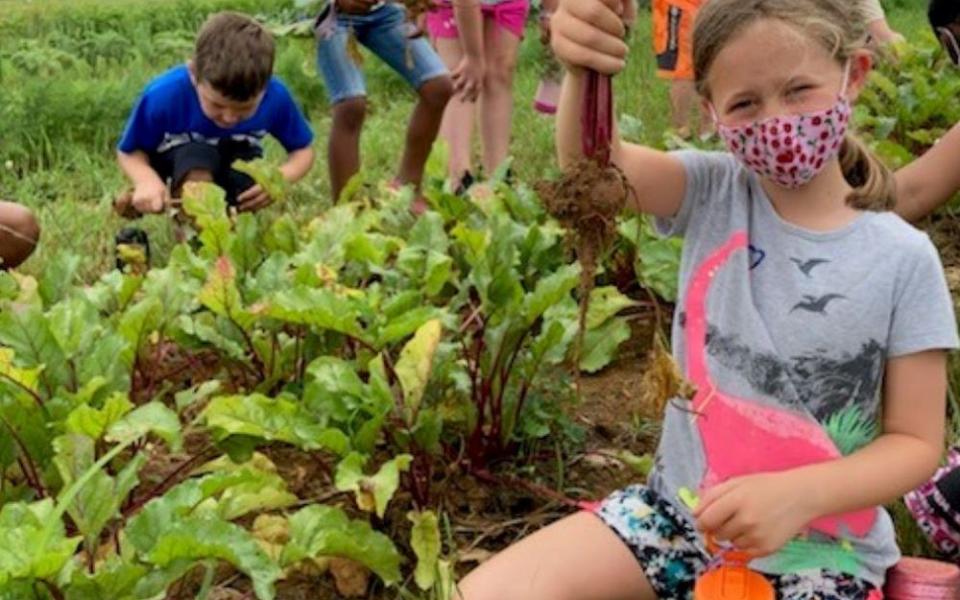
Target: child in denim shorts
<point>383,28</point>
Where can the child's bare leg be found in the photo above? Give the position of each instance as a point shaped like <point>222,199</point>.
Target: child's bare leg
<point>343,150</point>
<point>496,100</point>
<point>423,128</point>
<point>19,234</point>
<point>457,126</point>
<point>576,558</point>
<point>682,96</point>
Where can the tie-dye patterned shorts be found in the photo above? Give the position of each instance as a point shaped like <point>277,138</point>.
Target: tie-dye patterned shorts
<point>672,554</point>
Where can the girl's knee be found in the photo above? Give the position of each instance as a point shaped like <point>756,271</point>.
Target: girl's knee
<point>500,72</point>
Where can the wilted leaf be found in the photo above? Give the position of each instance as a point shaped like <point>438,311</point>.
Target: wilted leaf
<point>327,531</point>
<point>416,363</point>
<point>425,541</point>
<point>663,381</point>
<point>373,493</point>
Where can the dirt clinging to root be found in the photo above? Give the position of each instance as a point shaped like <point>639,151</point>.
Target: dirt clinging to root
<point>586,201</point>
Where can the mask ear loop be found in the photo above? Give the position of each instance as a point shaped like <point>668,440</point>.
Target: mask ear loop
<point>713,114</point>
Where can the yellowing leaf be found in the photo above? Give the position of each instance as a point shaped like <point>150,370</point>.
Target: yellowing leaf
<point>25,378</point>
<point>379,488</point>
<point>132,254</point>
<point>221,296</point>
<point>205,202</point>
<point>425,541</point>
<point>416,363</point>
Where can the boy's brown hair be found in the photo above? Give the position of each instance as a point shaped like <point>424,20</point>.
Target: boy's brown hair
<point>234,55</point>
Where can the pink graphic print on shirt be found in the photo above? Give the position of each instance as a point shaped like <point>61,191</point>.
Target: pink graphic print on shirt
<point>742,437</point>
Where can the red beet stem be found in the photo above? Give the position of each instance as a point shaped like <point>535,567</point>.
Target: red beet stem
<point>597,117</point>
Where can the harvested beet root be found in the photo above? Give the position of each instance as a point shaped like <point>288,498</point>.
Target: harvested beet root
<point>586,201</point>
<point>591,194</point>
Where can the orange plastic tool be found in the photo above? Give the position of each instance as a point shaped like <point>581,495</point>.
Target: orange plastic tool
<point>732,580</point>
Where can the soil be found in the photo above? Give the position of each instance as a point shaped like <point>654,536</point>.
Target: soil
<point>586,201</point>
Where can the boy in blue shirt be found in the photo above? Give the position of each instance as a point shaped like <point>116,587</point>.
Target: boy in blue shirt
<point>195,120</point>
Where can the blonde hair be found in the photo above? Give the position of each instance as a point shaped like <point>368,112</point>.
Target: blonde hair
<point>839,27</point>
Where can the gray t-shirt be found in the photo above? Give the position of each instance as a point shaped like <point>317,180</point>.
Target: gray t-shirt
<point>786,333</point>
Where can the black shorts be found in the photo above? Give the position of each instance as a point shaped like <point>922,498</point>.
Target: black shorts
<point>176,163</point>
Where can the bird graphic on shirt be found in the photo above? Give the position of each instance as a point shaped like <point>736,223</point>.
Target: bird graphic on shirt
<point>817,305</point>
<point>741,436</point>
<point>806,266</point>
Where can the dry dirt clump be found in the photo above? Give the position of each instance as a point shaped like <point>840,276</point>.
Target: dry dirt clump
<point>586,201</point>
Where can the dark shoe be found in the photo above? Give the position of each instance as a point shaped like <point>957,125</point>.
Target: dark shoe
<point>466,182</point>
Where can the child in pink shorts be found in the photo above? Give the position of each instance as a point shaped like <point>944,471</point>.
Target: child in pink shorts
<point>479,41</point>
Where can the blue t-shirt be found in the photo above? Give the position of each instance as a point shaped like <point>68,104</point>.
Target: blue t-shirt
<point>168,115</point>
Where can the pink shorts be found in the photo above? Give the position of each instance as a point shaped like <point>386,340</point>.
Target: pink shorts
<point>509,14</point>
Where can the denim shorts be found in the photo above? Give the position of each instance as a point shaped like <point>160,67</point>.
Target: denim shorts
<point>672,554</point>
<point>386,32</point>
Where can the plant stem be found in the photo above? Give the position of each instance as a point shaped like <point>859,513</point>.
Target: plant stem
<point>36,397</point>
<point>168,482</point>
<point>54,590</point>
<point>27,464</point>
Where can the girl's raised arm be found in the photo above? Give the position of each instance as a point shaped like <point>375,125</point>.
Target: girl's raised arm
<point>588,34</point>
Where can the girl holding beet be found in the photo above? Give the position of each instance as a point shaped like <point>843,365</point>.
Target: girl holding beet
<point>812,322</point>
<point>479,41</point>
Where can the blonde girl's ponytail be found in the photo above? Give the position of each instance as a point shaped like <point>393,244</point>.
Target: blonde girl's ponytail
<point>874,187</point>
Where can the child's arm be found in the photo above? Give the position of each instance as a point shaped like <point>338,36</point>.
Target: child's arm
<point>150,194</point>
<point>299,162</point>
<point>468,76</point>
<point>929,181</point>
<point>761,513</point>
<point>589,34</point>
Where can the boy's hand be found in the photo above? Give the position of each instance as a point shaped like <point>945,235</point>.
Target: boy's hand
<point>150,197</point>
<point>356,7</point>
<point>468,78</point>
<point>758,514</point>
<point>589,34</point>
<point>254,199</point>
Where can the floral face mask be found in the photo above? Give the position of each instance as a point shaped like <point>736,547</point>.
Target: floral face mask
<point>790,150</point>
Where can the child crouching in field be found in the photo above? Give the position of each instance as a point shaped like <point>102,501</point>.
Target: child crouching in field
<point>195,120</point>
<point>812,322</point>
